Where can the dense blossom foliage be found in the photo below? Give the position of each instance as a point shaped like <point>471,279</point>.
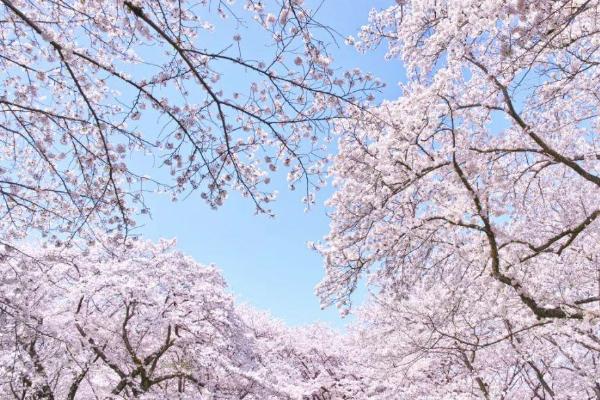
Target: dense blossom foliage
<point>315,362</point>
<point>79,79</point>
<point>471,202</point>
<point>144,321</point>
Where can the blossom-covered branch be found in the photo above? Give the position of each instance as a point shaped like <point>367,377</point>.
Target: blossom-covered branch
<point>96,92</point>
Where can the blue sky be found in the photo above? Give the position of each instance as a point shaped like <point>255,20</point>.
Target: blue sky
<point>265,260</point>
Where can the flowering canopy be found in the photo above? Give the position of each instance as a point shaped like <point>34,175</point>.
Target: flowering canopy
<point>470,204</point>
<point>143,321</point>
<point>472,201</point>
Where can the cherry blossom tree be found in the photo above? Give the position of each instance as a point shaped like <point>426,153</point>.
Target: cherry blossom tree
<point>81,82</point>
<point>136,322</point>
<point>314,362</point>
<point>470,204</point>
